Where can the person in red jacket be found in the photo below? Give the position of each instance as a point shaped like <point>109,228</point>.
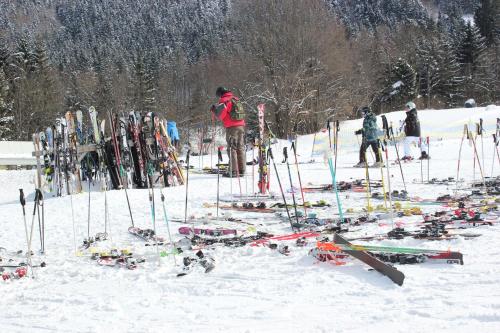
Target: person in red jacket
<point>230,111</point>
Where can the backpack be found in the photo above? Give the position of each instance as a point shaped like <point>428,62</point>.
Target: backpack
<point>237,111</point>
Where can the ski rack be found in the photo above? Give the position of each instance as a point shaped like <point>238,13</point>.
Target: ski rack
<point>81,151</point>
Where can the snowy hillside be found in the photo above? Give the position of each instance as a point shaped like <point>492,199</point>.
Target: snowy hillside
<point>255,288</point>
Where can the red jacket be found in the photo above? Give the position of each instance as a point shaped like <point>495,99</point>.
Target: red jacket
<point>222,111</point>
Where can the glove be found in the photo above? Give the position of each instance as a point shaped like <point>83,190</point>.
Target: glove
<point>358,132</point>
<point>212,108</point>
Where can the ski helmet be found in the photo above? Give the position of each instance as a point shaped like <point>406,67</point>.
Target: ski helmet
<point>221,91</point>
<point>365,110</point>
<point>410,106</point>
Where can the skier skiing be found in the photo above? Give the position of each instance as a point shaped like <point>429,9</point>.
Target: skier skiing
<point>412,132</point>
<point>370,133</point>
<point>230,111</point>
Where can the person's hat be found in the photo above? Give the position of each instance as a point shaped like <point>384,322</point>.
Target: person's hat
<point>221,91</point>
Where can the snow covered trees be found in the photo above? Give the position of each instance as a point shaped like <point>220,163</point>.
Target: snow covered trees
<point>476,64</point>
<point>307,60</point>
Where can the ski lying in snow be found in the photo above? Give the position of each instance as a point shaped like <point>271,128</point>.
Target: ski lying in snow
<point>305,234</point>
<point>381,267</point>
<point>397,254</point>
<point>206,231</point>
<point>408,259</point>
<point>146,234</point>
<point>249,209</point>
<point>121,261</point>
<point>245,207</point>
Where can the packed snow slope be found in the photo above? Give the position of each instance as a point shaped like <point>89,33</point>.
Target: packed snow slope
<point>256,289</point>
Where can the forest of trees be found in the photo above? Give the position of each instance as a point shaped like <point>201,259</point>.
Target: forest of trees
<point>307,60</point>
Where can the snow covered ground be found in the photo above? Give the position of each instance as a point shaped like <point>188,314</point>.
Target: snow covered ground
<point>256,289</point>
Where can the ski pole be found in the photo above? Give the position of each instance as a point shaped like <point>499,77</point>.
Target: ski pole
<point>428,159</point>
<point>328,127</point>
<point>391,210</point>
<point>472,144</point>
<point>337,129</point>
<point>493,158</point>
<point>333,173</point>
<point>22,200</point>
<point>285,156</point>
<point>165,216</point>
<point>465,134</point>
<point>421,161</point>
<point>153,217</point>
<point>219,158</point>
<point>481,130</point>
<point>270,154</point>
<point>382,172</point>
<point>253,166</point>
<point>37,198</point>
<point>151,193</point>
<point>393,139</point>
<point>40,224</point>
<point>187,187</point>
<point>478,162</point>
<point>495,139</point>
<point>230,168</point>
<point>312,150</point>
<point>294,148</point>
<point>368,189</point>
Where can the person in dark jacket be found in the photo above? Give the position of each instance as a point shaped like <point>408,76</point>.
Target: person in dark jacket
<point>412,132</point>
<point>235,130</point>
<point>370,132</point>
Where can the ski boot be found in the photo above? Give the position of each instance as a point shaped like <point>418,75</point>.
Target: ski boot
<point>378,165</point>
<point>361,165</point>
<point>424,156</point>
<point>405,159</point>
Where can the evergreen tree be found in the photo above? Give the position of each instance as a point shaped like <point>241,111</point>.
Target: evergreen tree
<point>143,88</point>
<point>104,98</point>
<point>6,118</point>
<point>450,78</point>
<point>484,19</point>
<point>47,104</point>
<point>400,84</point>
<point>476,64</point>
<point>428,68</point>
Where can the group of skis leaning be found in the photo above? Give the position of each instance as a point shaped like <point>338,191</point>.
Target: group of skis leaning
<point>128,149</point>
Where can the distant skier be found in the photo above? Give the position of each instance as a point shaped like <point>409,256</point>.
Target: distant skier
<point>412,132</point>
<point>370,132</point>
<point>230,112</point>
<point>173,133</point>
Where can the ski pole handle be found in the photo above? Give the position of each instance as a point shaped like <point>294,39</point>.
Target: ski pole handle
<point>285,154</point>
<point>187,158</point>
<point>22,200</point>
<point>38,195</point>
<point>270,153</point>
<point>293,147</point>
<point>481,125</point>
<point>337,125</point>
<point>328,125</point>
<point>219,154</point>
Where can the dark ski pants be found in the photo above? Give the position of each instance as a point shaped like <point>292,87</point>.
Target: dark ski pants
<point>235,137</point>
<point>364,147</point>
